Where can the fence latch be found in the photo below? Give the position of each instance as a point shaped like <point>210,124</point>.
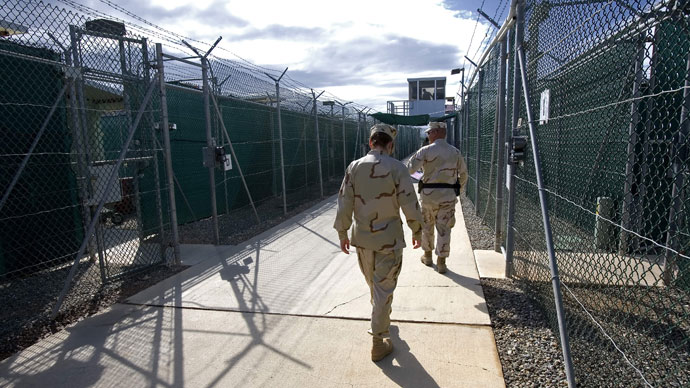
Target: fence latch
<point>517,149</point>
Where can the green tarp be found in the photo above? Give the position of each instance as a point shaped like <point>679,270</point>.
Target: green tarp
<point>418,120</point>
<point>392,119</point>
<point>446,117</point>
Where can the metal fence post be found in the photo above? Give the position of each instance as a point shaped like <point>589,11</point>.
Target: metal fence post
<point>280,137</point>
<point>679,155</point>
<point>154,152</point>
<point>466,128</point>
<point>164,127</point>
<point>210,144</point>
<point>478,148</point>
<point>342,107</point>
<point>318,142</point>
<point>128,112</point>
<point>631,159</point>
<point>500,137</point>
<point>84,136</point>
<point>354,151</point>
<point>555,281</point>
<point>511,172</point>
<point>306,160</point>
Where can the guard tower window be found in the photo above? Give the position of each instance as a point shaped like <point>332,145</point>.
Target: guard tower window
<point>440,89</point>
<point>426,89</point>
<point>413,90</point>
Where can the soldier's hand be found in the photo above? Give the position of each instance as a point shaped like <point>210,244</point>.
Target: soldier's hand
<point>416,244</point>
<point>345,246</point>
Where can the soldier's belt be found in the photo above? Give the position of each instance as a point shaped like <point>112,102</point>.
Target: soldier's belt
<point>455,186</point>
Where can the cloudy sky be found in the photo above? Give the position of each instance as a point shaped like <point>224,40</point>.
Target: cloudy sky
<point>360,50</point>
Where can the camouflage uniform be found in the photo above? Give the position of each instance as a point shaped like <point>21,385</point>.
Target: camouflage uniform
<point>375,187</point>
<point>440,163</point>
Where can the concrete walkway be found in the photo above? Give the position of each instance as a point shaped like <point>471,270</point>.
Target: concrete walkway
<point>285,309</point>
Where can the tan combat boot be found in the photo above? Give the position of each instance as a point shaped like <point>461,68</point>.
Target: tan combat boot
<point>441,265</point>
<point>426,258</point>
<point>381,348</point>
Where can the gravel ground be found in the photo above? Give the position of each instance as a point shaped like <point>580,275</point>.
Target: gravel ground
<point>528,349</point>
<point>241,225</point>
<point>648,324</point>
<point>481,236</point>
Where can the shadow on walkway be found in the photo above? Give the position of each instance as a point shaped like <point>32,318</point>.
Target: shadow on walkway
<point>410,373</point>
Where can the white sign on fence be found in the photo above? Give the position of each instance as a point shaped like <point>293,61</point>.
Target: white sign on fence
<point>544,107</point>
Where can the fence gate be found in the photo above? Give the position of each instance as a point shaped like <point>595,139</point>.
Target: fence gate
<point>112,89</point>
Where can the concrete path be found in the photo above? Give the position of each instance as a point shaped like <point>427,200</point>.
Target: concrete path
<point>285,309</point>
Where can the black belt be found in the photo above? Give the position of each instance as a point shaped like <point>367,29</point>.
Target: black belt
<point>455,186</point>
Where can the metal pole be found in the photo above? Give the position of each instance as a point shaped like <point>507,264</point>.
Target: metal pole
<point>632,155</point>
<point>225,173</point>
<point>511,173</point>
<point>500,173</point>
<point>679,153</point>
<point>330,138</point>
<point>359,119</point>
<point>111,180</point>
<point>168,155</point>
<point>82,181</point>
<point>84,135</point>
<point>272,129</point>
<point>306,161</point>
<point>555,281</point>
<point>127,105</point>
<point>25,160</point>
<point>639,218</point>
<point>210,144</point>
<point>280,138</point>
<point>467,126</point>
<point>318,142</point>
<point>477,173</point>
<point>342,107</point>
<point>156,172</point>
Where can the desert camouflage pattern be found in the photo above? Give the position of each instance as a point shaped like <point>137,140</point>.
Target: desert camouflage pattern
<point>381,272</point>
<point>385,128</point>
<point>375,188</point>
<point>440,163</point>
<point>442,217</point>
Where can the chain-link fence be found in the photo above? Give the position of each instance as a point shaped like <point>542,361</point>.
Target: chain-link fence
<point>608,90</point>
<point>80,161</point>
<point>109,142</point>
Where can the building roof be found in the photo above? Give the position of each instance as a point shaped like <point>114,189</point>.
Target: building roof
<point>426,79</point>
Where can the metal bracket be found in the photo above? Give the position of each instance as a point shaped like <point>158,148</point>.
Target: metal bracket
<point>72,72</point>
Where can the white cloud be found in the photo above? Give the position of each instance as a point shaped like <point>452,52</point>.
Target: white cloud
<point>374,46</point>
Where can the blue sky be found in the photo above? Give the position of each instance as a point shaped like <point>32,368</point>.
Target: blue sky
<point>361,51</point>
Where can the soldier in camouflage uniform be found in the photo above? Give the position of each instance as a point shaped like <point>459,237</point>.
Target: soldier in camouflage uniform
<point>442,165</point>
<point>375,187</point>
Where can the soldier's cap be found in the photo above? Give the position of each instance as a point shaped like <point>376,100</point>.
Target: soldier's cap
<point>435,125</point>
<point>385,128</point>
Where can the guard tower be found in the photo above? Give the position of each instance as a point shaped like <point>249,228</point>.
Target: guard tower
<point>425,96</point>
